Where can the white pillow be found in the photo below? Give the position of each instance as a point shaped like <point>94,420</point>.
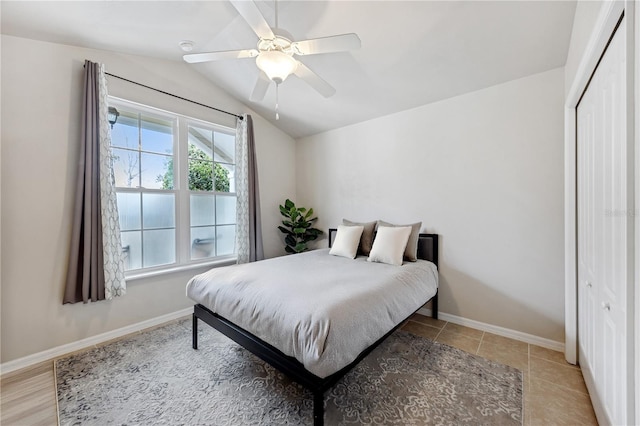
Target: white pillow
<point>389,245</point>
<point>347,241</point>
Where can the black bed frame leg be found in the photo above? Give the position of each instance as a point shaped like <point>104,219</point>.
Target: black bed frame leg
<point>318,408</point>
<point>194,343</point>
<point>434,307</point>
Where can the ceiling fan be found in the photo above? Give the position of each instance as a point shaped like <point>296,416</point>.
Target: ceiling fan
<point>276,50</point>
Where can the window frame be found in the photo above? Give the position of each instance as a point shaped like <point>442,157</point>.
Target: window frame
<point>181,191</point>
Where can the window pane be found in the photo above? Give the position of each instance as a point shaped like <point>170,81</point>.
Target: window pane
<point>225,178</point>
<point>156,135</point>
<point>129,211</point>
<point>225,209</point>
<point>132,249</point>
<point>203,242</point>
<point>200,143</point>
<point>126,168</point>
<point>158,211</point>
<point>157,171</point>
<point>200,175</point>
<point>159,247</point>
<point>225,148</point>
<point>125,132</point>
<point>203,210</point>
<point>225,240</point>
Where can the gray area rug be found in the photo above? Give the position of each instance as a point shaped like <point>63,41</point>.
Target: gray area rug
<point>156,377</point>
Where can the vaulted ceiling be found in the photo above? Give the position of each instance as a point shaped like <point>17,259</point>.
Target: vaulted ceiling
<point>413,52</point>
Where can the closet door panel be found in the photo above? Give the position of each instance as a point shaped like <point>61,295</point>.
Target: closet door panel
<point>587,233</point>
<point>602,232</point>
<point>614,283</point>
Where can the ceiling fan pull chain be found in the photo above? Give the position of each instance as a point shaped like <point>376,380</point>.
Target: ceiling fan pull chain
<point>277,115</point>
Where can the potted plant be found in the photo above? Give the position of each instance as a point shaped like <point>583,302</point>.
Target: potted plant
<point>297,227</point>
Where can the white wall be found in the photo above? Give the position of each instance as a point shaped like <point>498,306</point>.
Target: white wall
<point>41,98</point>
<point>485,171</point>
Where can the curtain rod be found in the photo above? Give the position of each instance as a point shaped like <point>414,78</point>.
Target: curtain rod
<point>175,96</point>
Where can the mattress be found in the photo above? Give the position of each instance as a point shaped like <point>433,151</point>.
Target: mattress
<point>323,310</point>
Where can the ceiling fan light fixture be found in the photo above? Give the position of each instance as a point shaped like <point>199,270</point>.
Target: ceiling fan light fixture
<point>276,64</point>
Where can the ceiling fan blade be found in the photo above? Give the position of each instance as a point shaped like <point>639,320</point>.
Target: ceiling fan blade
<point>314,80</point>
<point>193,58</point>
<point>337,43</point>
<point>260,89</point>
<point>250,12</point>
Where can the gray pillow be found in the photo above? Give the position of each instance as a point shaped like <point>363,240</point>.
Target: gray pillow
<point>411,251</point>
<point>366,241</point>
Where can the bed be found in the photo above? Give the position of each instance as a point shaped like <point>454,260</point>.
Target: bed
<point>297,313</point>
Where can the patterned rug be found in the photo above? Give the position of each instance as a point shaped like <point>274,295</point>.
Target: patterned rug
<point>156,377</point>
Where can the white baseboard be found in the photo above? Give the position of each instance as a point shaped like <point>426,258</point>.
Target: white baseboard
<point>500,331</point>
<point>59,351</point>
<point>68,348</point>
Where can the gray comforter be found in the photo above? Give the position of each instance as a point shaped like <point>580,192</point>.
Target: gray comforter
<point>321,309</point>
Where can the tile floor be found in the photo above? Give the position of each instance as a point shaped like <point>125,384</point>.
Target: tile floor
<point>554,391</point>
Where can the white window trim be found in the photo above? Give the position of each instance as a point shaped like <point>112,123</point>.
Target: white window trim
<point>140,274</point>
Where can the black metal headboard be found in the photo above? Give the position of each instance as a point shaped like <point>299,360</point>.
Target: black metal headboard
<point>427,245</point>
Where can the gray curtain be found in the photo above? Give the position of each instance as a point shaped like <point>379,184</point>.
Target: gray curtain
<point>96,270</point>
<point>249,224</point>
<point>256,251</point>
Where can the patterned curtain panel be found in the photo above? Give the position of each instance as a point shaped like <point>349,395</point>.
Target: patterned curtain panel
<point>249,224</point>
<point>96,267</point>
<point>113,260</point>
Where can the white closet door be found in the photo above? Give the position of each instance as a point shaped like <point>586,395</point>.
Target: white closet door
<point>587,244</point>
<point>602,234</point>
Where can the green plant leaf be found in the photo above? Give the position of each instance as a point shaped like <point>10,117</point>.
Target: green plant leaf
<point>313,233</point>
<point>297,227</point>
<point>284,230</point>
<point>291,240</point>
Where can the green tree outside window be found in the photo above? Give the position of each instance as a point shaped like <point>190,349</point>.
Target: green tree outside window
<point>200,176</point>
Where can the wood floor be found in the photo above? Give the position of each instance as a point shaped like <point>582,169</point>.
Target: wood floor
<point>29,397</point>
<point>554,392</point>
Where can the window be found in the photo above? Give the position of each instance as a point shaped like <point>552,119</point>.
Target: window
<point>212,201</point>
<point>175,184</point>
